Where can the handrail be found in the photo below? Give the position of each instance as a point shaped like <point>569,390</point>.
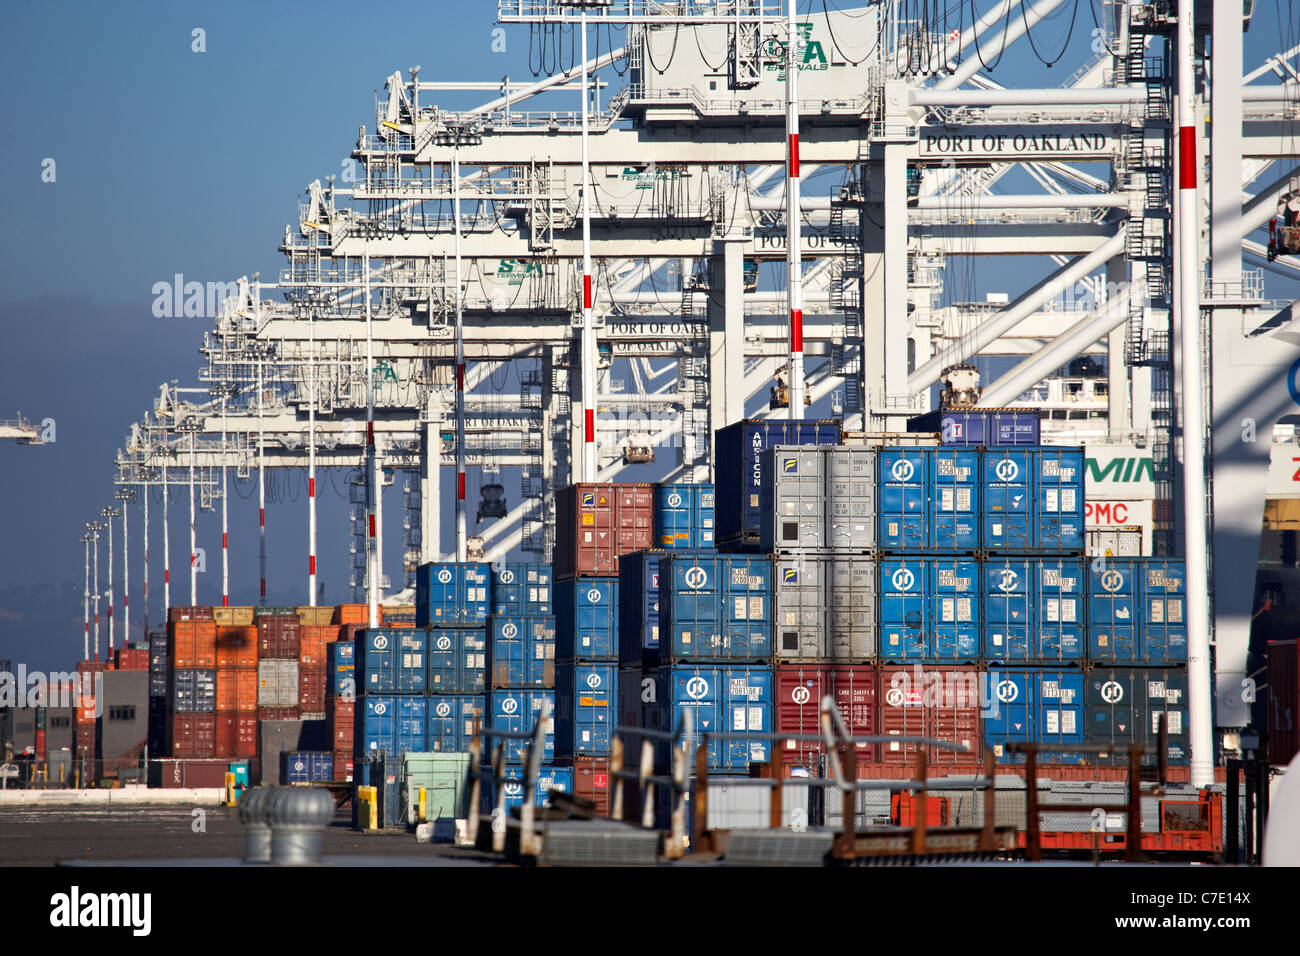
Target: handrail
<point>529,840</point>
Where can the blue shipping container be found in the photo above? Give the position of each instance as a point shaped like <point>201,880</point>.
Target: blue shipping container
<point>954,499</point>
<point>453,721</point>
<point>1164,626</point>
<point>392,723</point>
<point>904,499</point>
<point>741,476</point>
<point>954,632</point>
<point>518,711</point>
<point>457,660</point>
<point>904,611</point>
<point>993,427</point>
<point>521,589</point>
<point>586,619</point>
<point>392,659</point>
<point>587,709</point>
<point>1008,615</point>
<point>1041,705</point>
<point>638,607</point>
<point>1058,502</point>
<point>1113,633</point>
<point>683,516</point>
<point>718,700</point>
<point>451,594</point>
<point>548,779</point>
<point>1007,477</point>
<point>1059,607</point>
<point>306,766</point>
<point>718,607</point>
<point>340,662</point>
<point>521,652</point>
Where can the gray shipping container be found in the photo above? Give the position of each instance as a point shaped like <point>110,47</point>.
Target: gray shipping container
<point>851,499</point>
<point>825,608</point>
<point>1125,542</point>
<point>277,683</point>
<point>193,691</point>
<point>798,504</point>
<point>891,439</point>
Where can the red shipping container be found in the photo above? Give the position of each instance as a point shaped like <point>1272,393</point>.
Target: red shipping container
<point>131,659</point>
<point>236,646</point>
<point>942,703</point>
<point>278,637</point>
<point>598,523</point>
<point>340,714</point>
<point>1283,701</point>
<point>799,692</point>
<point>343,767</point>
<point>591,782</point>
<point>196,774</point>
<point>277,713</point>
<point>236,735</point>
<point>194,735</point>
<point>312,641</point>
<point>311,690</point>
<point>237,691</point>
<point>189,613</point>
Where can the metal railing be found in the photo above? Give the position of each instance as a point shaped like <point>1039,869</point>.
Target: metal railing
<point>530,841</point>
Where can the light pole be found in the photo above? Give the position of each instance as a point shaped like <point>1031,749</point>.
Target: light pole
<point>190,426</point>
<point>108,514</point>
<point>86,538</point>
<point>125,495</point>
<point>95,528</point>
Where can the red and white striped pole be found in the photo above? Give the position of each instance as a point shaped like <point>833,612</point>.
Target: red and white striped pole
<point>261,485</point>
<point>85,600</point>
<point>144,487</point>
<point>588,329</point>
<point>1199,681</point>
<point>794,250</point>
<point>311,464</point>
<point>462,520</point>
<point>372,483</point>
<point>126,576</point>
<point>225,515</point>
<point>167,573</point>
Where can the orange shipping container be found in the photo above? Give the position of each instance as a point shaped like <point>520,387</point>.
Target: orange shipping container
<point>352,614</point>
<point>313,638</point>
<point>237,690</point>
<point>183,652</point>
<point>205,644</point>
<point>236,647</point>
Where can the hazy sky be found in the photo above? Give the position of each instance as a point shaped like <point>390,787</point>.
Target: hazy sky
<point>166,160</point>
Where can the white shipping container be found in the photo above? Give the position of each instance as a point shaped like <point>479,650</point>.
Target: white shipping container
<point>277,683</point>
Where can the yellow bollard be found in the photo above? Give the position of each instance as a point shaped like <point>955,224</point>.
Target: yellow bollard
<point>370,809</point>
<point>422,813</point>
<point>232,798</point>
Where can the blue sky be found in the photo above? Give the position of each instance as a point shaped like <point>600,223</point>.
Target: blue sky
<point>173,161</point>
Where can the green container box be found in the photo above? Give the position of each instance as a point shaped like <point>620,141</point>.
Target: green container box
<point>443,776</point>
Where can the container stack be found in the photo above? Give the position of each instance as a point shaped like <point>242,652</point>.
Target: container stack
<point>237,682</point>
<point>192,648</point>
<point>279,643</point>
<point>159,689</point>
<point>453,605</point>
<point>340,704</point>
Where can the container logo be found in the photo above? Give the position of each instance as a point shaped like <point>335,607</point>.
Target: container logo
<point>894,697</point>
<point>510,630</point>
<point>674,500</point>
<point>380,643</point>
<point>696,577</point>
<point>444,643</point>
<point>1112,580</point>
<point>593,680</point>
<point>801,695</point>
<point>903,470</point>
<point>1007,691</point>
<point>380,709</point>
<point>444,576</point>
<point>1112,692</point>
<point>509,706</point>
<point>506,577</point>
<point>904,579</point>
<point>790,575</point>
<point>593,596</point>
<point>697,688</point>
<point>790,466</point>
<point>1006,470</point>
<point>513,789</point>
<point>589,499</point>
<point>1007,580</point>
<point>443,709</point>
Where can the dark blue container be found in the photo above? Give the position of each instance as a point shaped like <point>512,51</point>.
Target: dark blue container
<point>1164,625</point>
<point>1008,508</point>
<point>904,608</point>
<point>1059,609</point>
<point>392,659</point>
<point>718,607</point>
<point>306,766</point>
<point>453,721</point>
<point>457,660</point>
<point>521,652</point>
<point>1044,705</point>
<point>587,709</point>
<point>994,427</point>
<point>1058,499</point>
<point>1113,633</point>
<point>548,779</point>
<point>1124,705</point>
<point>518,711</point>
<point>717,699</point>
<point>522,589</point>
<point>1008,585</point>
<point>683,517</point>
<point>954,611</point>
<point>741,476</point>
<point>451,594</point>
<point>586,619</point>
<point>340,662</point>
<point>954,499</point>
<point>904,499</point>
<point>638,608</point>
<point>391,723</point>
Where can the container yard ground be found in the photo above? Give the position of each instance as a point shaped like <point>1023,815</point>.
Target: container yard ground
<point>48,835</point>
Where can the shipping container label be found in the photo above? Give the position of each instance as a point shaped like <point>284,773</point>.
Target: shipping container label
<point>1173,721</point>
<point>756,718</point>
<point>1158,578</point>
<point>757,608</point>
<point>1174,611</point>
<point>738,718</point>
<point>948,468</point>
